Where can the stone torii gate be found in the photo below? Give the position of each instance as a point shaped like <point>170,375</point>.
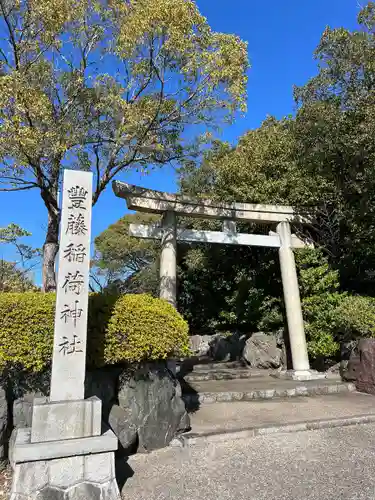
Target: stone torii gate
<point>173,205</point>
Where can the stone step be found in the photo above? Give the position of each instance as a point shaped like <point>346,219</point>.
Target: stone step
<point>219,365</point>
<point>223,374</point>
<point>257,388</point>
<point>282,415</point>
<point>206,363</point>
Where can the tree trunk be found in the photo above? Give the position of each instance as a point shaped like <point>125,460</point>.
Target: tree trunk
<point>50,249</point>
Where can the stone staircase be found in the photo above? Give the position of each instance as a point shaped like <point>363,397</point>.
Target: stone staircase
<point>233,370</point>
<point>229,400</point>
<point>206,382</point>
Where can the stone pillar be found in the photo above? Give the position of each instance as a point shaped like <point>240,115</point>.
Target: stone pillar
<point>168,259</point>
<point>292,300</point>
<point>65,455</point>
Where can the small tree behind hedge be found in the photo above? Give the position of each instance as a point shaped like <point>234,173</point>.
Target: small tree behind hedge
<point>127,329</point>
<point>355,317</point>
<point>319,285</point>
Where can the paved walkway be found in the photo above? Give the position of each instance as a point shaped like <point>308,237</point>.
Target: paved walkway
<point>330,464</point>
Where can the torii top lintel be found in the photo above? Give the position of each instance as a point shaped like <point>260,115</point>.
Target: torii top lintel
<point>152,201</point>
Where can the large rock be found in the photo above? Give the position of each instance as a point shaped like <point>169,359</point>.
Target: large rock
<point>22,417</point>
<point>365,378</point>
<point>261,351</point>
<point>349,360</point>
<point>103,383</point>
<point>226,347</point>
<point>120,421</point>
<point>4,427</point>
<point>151,399</point>
<point>200,345</point>
<point>23,410</point>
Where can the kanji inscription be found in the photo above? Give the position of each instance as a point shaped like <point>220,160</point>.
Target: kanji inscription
<point>77,196</point>
<point>70,346</point>
<point>74,282</point>
<point>75,253</point>
<point>76,225</point>
<point>69,355</point>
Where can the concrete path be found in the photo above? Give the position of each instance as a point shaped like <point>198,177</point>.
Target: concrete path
<point>224,417</point>
<point>330,464</point>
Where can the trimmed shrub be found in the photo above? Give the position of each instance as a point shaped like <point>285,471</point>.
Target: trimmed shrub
<point>120,329</point>
<point>26,329</point>
<point>355,317</point>
<point>144,328</point>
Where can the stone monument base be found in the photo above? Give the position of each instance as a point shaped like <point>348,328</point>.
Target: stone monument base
<point>84,469</point>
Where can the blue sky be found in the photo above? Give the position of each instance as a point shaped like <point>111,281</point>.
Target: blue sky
<point>281,36</point>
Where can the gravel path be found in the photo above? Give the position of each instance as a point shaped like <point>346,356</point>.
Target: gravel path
<point>329,464</point>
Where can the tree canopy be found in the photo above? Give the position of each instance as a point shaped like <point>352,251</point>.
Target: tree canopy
<point>107,86</point>
<point>122,263</point>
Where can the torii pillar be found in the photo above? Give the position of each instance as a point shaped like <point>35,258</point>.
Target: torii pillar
<point>293,307</point>
<point>168,259</point>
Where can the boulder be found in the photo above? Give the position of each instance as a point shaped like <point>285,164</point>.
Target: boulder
<point>349,369</point>
<point>200,345</point>
<point>120,421</point>
<point>221,349</point>
<point>151,399</point>
<point>365,368</point>
<point>102,383</point>
<point>23,410</point>
<point>226,347</point>
<point>22,417</point>
<point>261,351</point>
<point>349,360</point>
<point>11,443</point>
<point>4,427</point>
<point>284,357</point>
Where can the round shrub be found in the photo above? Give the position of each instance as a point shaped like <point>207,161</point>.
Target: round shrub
<point>120,329</point>
<point>144,328</point>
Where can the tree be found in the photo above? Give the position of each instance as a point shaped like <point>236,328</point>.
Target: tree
<point>13,279</point>
<point>15,276</point>
<point>261,168</point>
<point>334,133</point>
<point>123,263</point>
<point>322,158</point>
<point>107,86</point>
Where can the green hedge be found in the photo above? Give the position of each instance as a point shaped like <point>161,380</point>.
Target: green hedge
<point>130,328</point>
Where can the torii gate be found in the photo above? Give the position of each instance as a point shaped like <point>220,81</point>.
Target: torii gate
<point>172,205</point>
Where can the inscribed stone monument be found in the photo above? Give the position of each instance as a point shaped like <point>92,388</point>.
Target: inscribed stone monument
<point>65,455</point>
